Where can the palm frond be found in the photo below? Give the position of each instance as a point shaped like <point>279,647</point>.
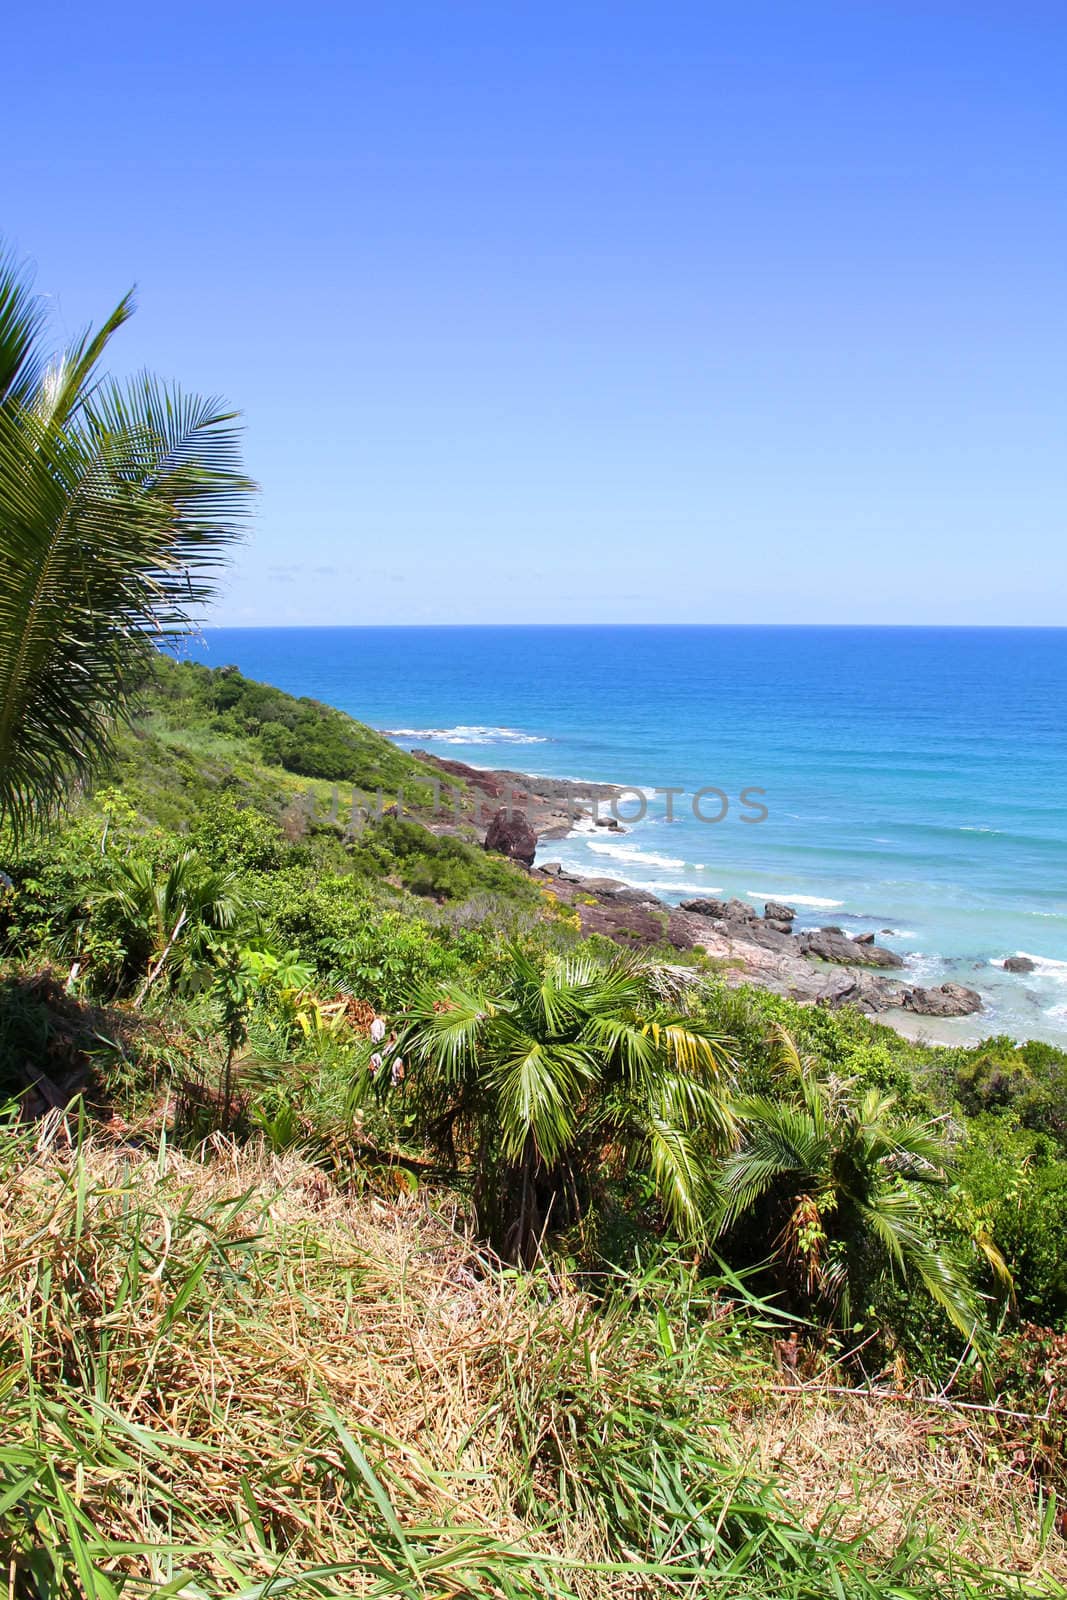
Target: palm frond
<point>682,1180</point>
<point>895,1219</point>
<point>22,322</point>
<point>117,504</point>
<point>539,1088</point>
<point>440,1026</point>
<point>68,383</point>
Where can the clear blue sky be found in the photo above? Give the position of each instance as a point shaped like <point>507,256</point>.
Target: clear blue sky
<point>585,312</point>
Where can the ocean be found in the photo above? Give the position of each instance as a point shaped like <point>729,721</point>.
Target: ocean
<point>914,779</point>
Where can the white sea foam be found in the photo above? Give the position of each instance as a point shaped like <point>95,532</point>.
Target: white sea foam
<point>683,888</point>
<point>976,828</point>
<point>927,967</point>
<point>583,823</point>
<point>463,734</point>
<point>792,899</point>
<point>1044,966</point>
<point>630,852</point>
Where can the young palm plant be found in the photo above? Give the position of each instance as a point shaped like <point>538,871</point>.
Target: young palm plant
<point>834,1177</point>
<point>170,922</point>
<point>569,1064</point>
<point>117,501</point>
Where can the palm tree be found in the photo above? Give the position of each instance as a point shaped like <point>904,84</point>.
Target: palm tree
<point>835,1178</point>
<point>171,921</point>
<point>117,501</point>
<point>569,1064</point>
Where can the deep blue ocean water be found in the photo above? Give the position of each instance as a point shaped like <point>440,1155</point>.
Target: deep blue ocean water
<point>914,778</point>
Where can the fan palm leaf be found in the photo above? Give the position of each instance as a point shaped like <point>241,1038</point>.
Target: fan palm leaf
<point>569,1058</point>
<point>846,1176</point>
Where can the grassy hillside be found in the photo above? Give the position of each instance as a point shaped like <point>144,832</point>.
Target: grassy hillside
<point>226,1377</point>
<point>253,1340</point>
<point>202,728</point>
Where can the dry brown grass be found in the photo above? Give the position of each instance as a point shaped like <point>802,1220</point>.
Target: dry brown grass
<point>885,1466</point>
<point>223,1310</point>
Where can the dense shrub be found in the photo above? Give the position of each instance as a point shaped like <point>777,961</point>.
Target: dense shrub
<point>1028,1080</point>
<point>1016,1180</point>
<point>440,866</point>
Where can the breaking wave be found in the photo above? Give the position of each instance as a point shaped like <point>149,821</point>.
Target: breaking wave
<point>630,852</point>
<point>793,899</point>
<point>464,734</point>
<point>1044,966</point>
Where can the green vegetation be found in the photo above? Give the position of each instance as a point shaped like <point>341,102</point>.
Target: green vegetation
<point>680,1168</point>
<point>840,1175</point>
<point>302,736</point>
<point>223,1378</point>
<point>569,1054</point>
<point>197,951</point>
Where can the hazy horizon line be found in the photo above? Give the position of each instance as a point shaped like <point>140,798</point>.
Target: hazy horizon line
<point>339,627</point>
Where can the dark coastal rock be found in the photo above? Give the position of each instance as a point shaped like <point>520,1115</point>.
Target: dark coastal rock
<point>830,944</point>
<point>775,911</point>
<point>629,894</point>
<point>767,935</point>
<point>552,869</point>
<point>511,835</point>
<point>862,990</point>
<point>864,938</point>
<point>747,948</point>
<point>612,823</point>
<point>948,1000</point>
<point>1018,964</point>
<point>487,782</point>
<point>628,925</point>
<point>704,907</point>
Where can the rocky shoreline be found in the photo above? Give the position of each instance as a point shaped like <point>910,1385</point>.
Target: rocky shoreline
<point>546,805</point>
<point>821,966</point>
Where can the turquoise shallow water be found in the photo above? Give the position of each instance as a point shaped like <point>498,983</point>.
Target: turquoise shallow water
<point>914,778</point>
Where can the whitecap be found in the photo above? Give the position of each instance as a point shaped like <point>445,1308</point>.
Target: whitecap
<point>1044,966</point>
<point>683,888</point>
<point>584,823</point>
<point>630,852</point>
<point>464,734</point>
<point>792,899</point>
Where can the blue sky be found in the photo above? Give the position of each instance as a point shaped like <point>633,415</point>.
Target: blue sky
<point>585,312</point>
